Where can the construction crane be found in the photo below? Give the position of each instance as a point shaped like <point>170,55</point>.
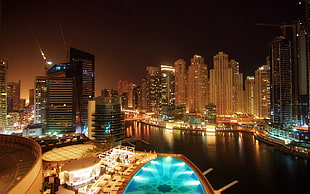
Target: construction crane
<point>47,63</point>
<point>282,26</point>
<point>64,41</point>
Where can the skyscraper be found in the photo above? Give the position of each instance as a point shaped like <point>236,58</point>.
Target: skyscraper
<point>126,88</point>
<point>198,93</point>
<point>180,82</point>
<point>61,109</point>
<point>122,86</point>
<point>167,83</point>
<point>61,97</point>
<point>262,91</point>
<point>300,73</point>
<point>123,92</point>
<point>249,95</point>
<point>307,44</point>
<point>137,100</point>
<point>3,94</point>
<point>221,84</point>
<point>132,99</point>
<point>151,89</point>
<point>84,77</point>
<point>40,101</point>
<point>237,96</point>
<point>167,92</point>
<point>281,98</point>
<point>13,95</point>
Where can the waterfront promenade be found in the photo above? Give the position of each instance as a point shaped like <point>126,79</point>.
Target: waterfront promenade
<point>280,144</point>
<point>259,134</point>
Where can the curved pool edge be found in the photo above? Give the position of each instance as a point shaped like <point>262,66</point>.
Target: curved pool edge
<point>203,180</point>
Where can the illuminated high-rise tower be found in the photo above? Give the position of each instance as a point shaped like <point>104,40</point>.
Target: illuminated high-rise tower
<point>281,79</point>
<point>61,109</point>
<point>262,91</point>
<point>69,88</point>
<point>126,90</point>
<point>221,84</point>
<point>3,94</point>
<point>197,85</point>
<point>180,82</point>
<point>40,99</point>
<point>167,92</point>
<point>167,83</point>
<point>151,89</point>
<point>13,94</point>
<point>249,95</point>
<point>237,96</point>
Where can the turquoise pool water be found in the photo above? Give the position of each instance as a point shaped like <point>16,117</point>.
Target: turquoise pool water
<point>165,175</point>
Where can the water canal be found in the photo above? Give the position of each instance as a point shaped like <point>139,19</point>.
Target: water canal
<point>258,167</point>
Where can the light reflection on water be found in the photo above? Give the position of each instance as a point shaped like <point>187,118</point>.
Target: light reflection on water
<point>234,156</point>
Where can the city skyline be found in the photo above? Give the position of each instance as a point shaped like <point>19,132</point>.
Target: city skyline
<point>127,36</point>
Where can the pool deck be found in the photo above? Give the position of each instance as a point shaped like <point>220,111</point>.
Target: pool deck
<point>204,181</point>
<point>119,176</point>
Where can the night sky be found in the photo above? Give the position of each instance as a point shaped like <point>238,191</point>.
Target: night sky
<point>127,35</point>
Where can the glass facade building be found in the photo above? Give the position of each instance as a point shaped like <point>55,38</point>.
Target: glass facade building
<point>60,106</point>
<point>84,79</point>
<point>281,82</point>
<point>77,88</point>
<point>105,120</point>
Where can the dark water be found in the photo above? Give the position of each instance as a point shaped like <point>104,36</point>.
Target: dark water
<point>258,167</point>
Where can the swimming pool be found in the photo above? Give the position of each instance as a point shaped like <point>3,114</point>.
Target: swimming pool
<point>165,174</point>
